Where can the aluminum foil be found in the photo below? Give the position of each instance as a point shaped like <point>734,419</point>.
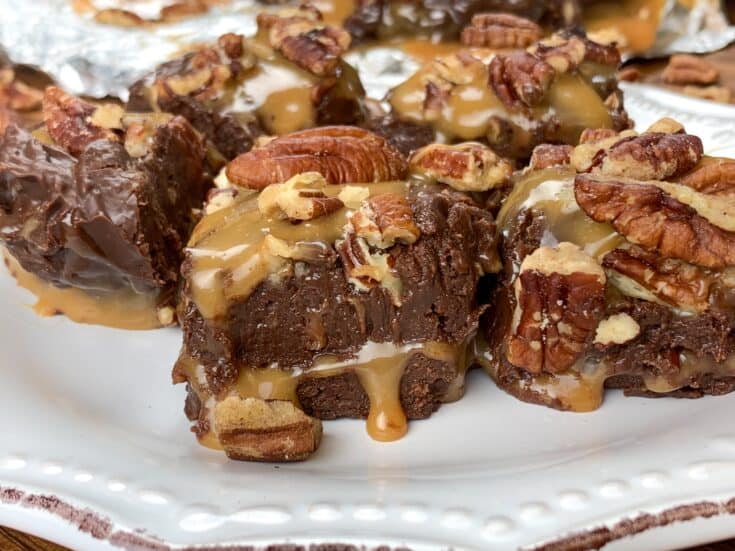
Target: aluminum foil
<point>90,58</point>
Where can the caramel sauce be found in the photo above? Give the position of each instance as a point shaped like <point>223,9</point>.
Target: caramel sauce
<point>229,253</point>
<point>424,50</point>
<point>123,309</point>
<point>636,20</point>
<point>335,12</point>
<point>378,366</point>
<point>467,112</point>
<point>551,191</point>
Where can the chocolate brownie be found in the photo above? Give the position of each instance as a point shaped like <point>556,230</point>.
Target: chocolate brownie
<point>617,258</point>
<point>521,97</point>
<point>100,202</point>
<point>353,298</point>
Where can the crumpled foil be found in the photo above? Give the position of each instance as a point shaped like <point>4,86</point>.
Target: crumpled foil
<point>94,59</point>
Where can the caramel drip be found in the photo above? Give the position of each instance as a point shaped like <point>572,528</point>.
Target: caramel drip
<point>335,12</point>
<point>124,309</point>
<point>466,113</point>
<point>229,255</point>
<point>636,20</point>
<point>551,191</point>
<point>378,366</point>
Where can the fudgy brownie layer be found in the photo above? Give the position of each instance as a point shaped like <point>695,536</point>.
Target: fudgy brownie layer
<point>103,220</point>
<point>704,384</point>
<point>325,314</point>
<point>424,387</point>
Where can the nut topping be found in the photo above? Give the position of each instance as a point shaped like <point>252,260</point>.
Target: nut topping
<point>550,155</point>
<point>565,51</point>
<point>252,429</point>
<point>500,30</point>
<point>299,198</point>
<point>650,156</point>
<point>617,329</point>
<point>649,216</point>
<point>305,40</point>
<point>689,69</point>
<point>670,281</point>
<point>17,95</point>
<point>715,178</point>
<point>467,166</point>
<point>560,298</point>
<point>384,220</point>
<point>520,79</point>
<point>69,121</point>
<point>342,154</point>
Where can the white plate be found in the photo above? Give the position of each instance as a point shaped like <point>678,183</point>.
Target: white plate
<point>89,415</point>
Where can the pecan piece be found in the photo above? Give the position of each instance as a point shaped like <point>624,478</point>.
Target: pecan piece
<point>520,79</point>
<point>500,30</point>
<point>689,69</point>
<point>17,95</point>
<point>713,178</point>
<point>594,135</point>
<point>565,51</point>
<point>385,219</point>
<point>305,40</point>
<point>560,298</point>
<point>650,156</point>
<point>550,155</point>
<point>253,429</point>
<point>69,121</point>
<point>299,198</point>
<point>648,215</point>
<point>671,281</point>
<point>342,154</point>
<point>468,166</point>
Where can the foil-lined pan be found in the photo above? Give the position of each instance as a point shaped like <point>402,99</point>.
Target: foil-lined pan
<point>95,59</point>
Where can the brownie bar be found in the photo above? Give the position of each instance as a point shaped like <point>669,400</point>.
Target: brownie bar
<point>359,299</point>
<point>617,256</point>
<point>100,203</point>
<point>547,93</point>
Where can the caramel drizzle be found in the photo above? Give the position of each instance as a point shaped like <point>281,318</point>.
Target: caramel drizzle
<point>378,366</point>
<point>229,255</point>
<point>124,309</point>
<point>467,113</point>
<point>636,20</point>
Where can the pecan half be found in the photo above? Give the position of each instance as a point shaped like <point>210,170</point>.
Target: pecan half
<point>689,69</point>
<point>385,219</point>
<point>299,198</point>
<point>500,30</point>
<point>649,216</point>
<point>550,155</point>
<point>468,166</point>
<point>650,156</point>
<point>671,281</point>
<point>69,121</point>
<point>342,154</point>
<point>305,40</point>
<point>17,95</point>
<point>520,79</point>
<point>560,298</point>
<point>713,178</point>
<point>252,429</point>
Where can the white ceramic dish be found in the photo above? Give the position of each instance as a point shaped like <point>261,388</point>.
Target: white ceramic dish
<point>89,415</point>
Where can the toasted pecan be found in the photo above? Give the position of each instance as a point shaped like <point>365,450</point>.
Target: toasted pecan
<point>500,30</point>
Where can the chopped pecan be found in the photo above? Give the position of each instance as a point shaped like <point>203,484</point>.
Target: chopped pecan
<point>520,79</point>
<point>550,155</point>
<point>500,30</point>
<point>140,129</point>
<point>385,219</point>
<point>299,198</point>
<point>253,429</point>
<point>68,121</point>
<point>671,281</point>
<point>305,40</point>
<point>648,215</point>
<point>689,69</point>
<point>617,329</point>
<point>468,166</point>
<point>650,156</point>
<point>17,95</point>
<point>443,74</point>
<point>565,51</point>
<point>667,126</point>
<point>713,178</point>
<point>560,298</point>
<point>342,154</point>
<point>712,93</point>
<point>594,135</point>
